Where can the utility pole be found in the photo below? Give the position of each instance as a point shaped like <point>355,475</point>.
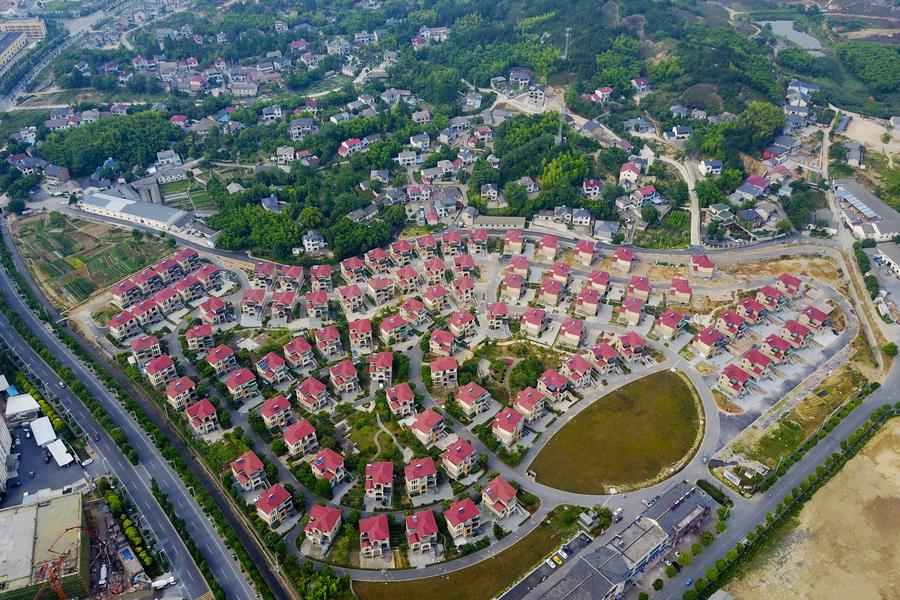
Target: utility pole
<point>562,110</point>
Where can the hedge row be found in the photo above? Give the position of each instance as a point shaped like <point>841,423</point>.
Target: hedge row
<point>811,442</point>
<point>726,568</point>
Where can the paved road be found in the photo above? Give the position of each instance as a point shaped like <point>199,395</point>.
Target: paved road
<point>747,513</point>
<point>687,173</point>
<point>133,478</point>
<point>225,570</point>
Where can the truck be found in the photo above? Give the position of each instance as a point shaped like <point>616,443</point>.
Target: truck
<point>163,583</point>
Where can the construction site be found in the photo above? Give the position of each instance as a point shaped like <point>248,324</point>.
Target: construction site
<point>61,546</point>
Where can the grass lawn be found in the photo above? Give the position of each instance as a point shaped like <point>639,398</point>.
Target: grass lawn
<point>673,231</point>
<point>71,258</point>
<point>173,187</point>
<point>489,578</point>
<point>626,437</point>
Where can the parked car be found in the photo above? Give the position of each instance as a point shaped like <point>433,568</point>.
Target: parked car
<point>557,559</point>
<point>688,582</point>
<point>550,563</point>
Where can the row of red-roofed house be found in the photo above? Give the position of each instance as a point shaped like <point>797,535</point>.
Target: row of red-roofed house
<point>166,300</point>
<point>275,277</point>
<point>463,519</point>
<point>401,253</point>
<point>281,304</point>
<point>147,282</point>
<point>750,310</point>
<point>755,364</point>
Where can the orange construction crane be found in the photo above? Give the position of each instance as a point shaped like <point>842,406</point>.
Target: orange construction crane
<point>50,571</point>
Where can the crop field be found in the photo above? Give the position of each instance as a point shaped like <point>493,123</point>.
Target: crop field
<point>672,231</point>
<point>71,259</point>
<point>187,195</point>
<point>625,438</point>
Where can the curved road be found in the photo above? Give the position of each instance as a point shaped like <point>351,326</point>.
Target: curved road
<point>551,496</point>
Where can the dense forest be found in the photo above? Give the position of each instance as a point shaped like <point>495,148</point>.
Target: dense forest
<point>132,139</point>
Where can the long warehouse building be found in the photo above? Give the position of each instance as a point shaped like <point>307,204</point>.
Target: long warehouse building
<point>156,216</point>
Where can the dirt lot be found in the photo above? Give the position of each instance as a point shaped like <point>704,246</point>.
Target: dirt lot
<point>845,545</point>
<point>868,133</point>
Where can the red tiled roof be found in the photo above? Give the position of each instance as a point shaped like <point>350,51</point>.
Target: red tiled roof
<point>420,467</point>
<point>420,525</point>
<point>443,363</point>
<point>201,410</point>
<point>179,386</point>
<point>160,363</point>
<point>528,398</point>
<point>272,498</point>
<point>427,420</point>
<point>375,528</point>
<point>499,490</point>
<point>298,430</point>
<point>379,473</point>
<point>239,378</point>
<point>310,387</point>
<point>322,518</point>
<point>275,405</point>
<point>461,511</point>
<point>458,451</point>
<point>507,419</point>
<point>469,393</point>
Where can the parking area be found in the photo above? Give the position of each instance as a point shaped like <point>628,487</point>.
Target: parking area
<point>34,473</point>
<point>571,550</point>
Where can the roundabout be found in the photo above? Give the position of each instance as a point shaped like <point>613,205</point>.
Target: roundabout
<point>628,439</point>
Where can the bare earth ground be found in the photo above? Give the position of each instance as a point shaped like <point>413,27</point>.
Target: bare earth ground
<point>868,133</point>
<point>845,545</point>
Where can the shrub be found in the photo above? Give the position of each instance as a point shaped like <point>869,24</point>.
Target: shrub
<point>658,584</point>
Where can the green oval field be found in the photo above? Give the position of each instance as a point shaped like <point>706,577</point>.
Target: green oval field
<point>625,438</point>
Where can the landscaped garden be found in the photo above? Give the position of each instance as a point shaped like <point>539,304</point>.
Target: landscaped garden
<point>625,438</point>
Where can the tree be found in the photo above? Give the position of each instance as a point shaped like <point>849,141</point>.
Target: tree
<point>707,538</point>
<point>16,206</point>
<point>649,215</point>
<point>696,549</point>
<point>685,559</point>
<point>783,226</point>
<point>890,349</point>
<point>279,447</point>
<point>311,217</point>
<point>658,584</point>
<point>671,571</point>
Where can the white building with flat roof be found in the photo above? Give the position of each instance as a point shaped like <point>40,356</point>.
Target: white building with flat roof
<point>864,213</point>
<point>155,216</point>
